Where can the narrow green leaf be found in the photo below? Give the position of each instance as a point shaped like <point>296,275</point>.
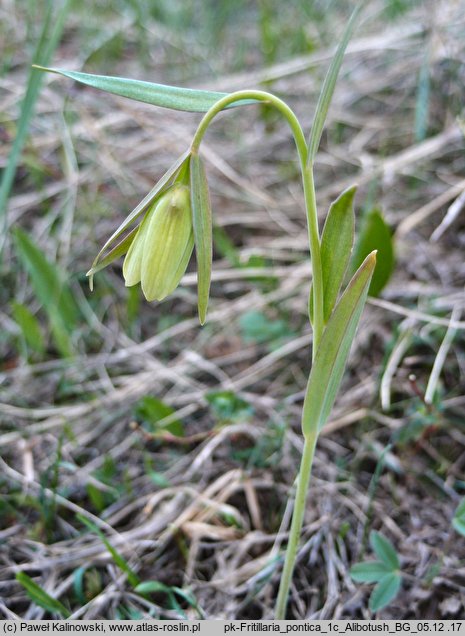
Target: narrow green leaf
<point>51,290</point>
<point>46,277</point>
<point>119,560</point>
<point>166,180</point>
<point>386,591</point>
<point>186,595</point>
<point>152,587</point>
<point>40,597</point>
<point>78,584</point>
<point>384,550</point>
<point>458,521</point>
<point>375,235</point>
<point>119,250</point>
<point>369,571</point>
<point>30,327</point>
<point>202,221</point>
<point>336,246</point>
<point>174,97</point>
<point>328,87</point>
<point>50,35</point>
<point>331,356</point>
<point>97,497</point>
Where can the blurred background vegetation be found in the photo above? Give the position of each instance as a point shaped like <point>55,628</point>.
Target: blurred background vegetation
<point>145,461</point>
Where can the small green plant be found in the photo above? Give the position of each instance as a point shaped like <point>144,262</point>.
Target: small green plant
<point>160,234</point>
<point>40,597</point>
<point>375,234</point>
<point>385,572</point>
<point>52,291</point>
<point>143,588</point>
<point>228,407</point>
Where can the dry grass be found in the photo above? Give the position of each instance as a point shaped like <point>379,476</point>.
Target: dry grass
<point>205,512</point>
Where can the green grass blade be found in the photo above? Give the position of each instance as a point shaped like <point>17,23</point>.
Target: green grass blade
<point>385,592</point>
<point>152,587</point>
<point>29,326</point>
<point>51,290</point>
<point>329,84</point>
<point>202,220</point>
<point>119,560</point>
<point>174,97</point>
<point>384,550</point>
<point>333,351</point>
<point>336,247</point>
<point>50,35</point>
<point>40,596</point>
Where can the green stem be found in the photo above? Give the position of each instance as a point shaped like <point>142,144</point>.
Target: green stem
<point>308,186</point>
<point>303,481</point>
<point>315,251</point>
<point>306,167</point>
<point>259,96</point>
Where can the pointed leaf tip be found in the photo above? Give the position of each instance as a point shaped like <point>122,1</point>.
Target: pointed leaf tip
<point>329,85</point>
<point>174,97</point>
<point>334,348</point>
<point>385,591</point>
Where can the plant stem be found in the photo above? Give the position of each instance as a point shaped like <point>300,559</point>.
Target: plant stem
<point>306,167</point>
<point>259,96</point>
<point>314,242</point>
<point>303,481</point>
<point>308,186</point>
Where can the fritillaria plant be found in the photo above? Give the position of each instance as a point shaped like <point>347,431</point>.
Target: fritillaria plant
<point>159,235</point>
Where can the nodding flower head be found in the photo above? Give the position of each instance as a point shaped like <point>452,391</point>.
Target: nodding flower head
<point>176,215</point>
<point>161,249</point>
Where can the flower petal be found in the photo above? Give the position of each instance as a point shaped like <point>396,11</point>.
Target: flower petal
<point>166,248</point>
<point>133,259</point>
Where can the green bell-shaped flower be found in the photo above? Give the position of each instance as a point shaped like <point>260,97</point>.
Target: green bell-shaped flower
<point>161,249</point>
<point>176,215</point>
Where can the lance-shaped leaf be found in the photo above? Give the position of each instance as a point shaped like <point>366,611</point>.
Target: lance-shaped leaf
<point>336,246</point>
<point>384,550</point>
<point>202,221</point>
<point>375,234</point>
<point>174,97</point>
<point>333,351</point>
<point>329,85</point>
<point>166,180</point>
<point>40,597</point>
<point>51,289</point>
